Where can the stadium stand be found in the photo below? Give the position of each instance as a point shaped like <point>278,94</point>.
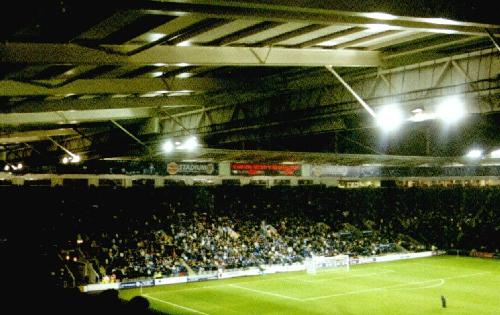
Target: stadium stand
<point>112,234</point>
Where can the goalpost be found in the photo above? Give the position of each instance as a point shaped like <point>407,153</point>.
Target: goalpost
<point>322,263</point>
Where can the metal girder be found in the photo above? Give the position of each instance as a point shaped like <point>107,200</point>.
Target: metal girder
<point>61,147</point>
<point>493,39</point>
<point>195,55</point>
<point>35,135</point>
<point>110,25</point>
<point>407,36</point>
<point>288,35</point>
<point>74,117</point>
<point>321,13</point>
<point>431,47</point>
<point>171,102</point>
<point>349,88</point>
<point>365,39</point>
<point>112,86</point>
<point>412,85</point>
<point>332,36</point>
<point>131,135</point>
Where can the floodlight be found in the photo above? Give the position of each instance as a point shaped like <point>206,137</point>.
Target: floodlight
<point>65,160</point>
<point>168,146</point>
<point>379,27</point>
<point>75,159</point>
<point>19,166</point>
<point>381,16</point>
<point>389,118</point>
<point>190,144</point>
<point>6,167</point>
<point>184,75</point>
<point>451,110</point>
<point>185,43</point>
<point>474,154</point>
<point>152,37</point>
<point>495,154</point>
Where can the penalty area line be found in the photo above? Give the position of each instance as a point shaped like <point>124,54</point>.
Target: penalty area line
<point>392,286</point>
<point>175,305</point>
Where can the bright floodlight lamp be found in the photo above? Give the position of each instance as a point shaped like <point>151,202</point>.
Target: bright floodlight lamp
<point>19,166</point>
<point>75,158</point>
<point>389,118</point>
<point>495,154</point>
<point>65,160</point>
<point>6,167</point>
<point>168,146</point>
<point>191,144</point>
<point>451,110</point>
<point>474,154</point>
<point>381,16</point>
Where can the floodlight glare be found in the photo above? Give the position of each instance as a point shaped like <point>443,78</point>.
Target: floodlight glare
<point>168,146</point>
<point>65,160</point>
<point>381,16</point>
<point>191,144</point>
<point>495,154</point>
<point>474,154</point>
<point>6,167</point>
<point>75,159</point>
<point>451,110</point>
<point>19,166</point>
<point>389,118</point>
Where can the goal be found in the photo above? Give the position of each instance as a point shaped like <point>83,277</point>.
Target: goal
<point>322,263</point>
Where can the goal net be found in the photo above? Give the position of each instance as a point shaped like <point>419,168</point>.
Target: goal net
<point>321,263</point>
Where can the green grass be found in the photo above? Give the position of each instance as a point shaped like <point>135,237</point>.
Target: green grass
<point>471,286</point>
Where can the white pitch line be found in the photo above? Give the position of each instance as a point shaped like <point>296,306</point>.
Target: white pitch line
<point>267,293</point>
<point>175,305</point>
<point>358,276</point>
<point>440,283</point>
<point>390,287</point>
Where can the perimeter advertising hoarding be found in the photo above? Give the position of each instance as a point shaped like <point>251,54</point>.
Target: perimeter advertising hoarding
<point>192,168</point>
<point>137,284</point>
<point>395,171</point>
<point>252,169</point>
<point>345,171</point>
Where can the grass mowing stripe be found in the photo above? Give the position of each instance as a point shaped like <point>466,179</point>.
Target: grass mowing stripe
<point>175,305</point>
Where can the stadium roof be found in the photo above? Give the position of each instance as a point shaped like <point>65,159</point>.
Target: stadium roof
<point>117,79</point>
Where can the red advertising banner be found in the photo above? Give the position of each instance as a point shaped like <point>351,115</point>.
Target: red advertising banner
<point>266,169</point>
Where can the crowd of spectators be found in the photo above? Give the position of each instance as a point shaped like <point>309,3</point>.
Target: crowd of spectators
<point>144,232</point>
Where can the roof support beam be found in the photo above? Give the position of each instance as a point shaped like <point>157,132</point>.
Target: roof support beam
<point>493,39</point>
<point>316,14</point>
<point>74,117</point>
<point>35,135</point>
<point>61,147</point>
<point>291,34</point>
<point>171,102</point>
<point>365,39</point>
<point>431,47</point>
<point>111,86</point>
<point>194,55</point>
<point>332,36</point>
<point>131,135</point>
<point>348,87</point>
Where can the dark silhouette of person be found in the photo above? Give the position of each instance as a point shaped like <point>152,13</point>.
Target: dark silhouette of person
<point>138,305</point>
<point>443,301</point>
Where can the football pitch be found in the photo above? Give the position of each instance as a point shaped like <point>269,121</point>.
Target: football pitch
<point>470,286</point>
